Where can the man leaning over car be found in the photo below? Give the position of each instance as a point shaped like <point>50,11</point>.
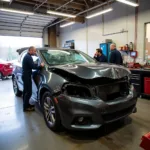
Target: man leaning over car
<point>27,66</point>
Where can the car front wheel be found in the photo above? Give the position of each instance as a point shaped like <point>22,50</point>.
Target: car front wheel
<point>50,111</point>
<point>1,76</point>
<point>17,92</point>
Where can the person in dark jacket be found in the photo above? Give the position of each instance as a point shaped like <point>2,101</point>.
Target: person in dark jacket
<point>115,56</point>
<point>99,56</point>
<point>27,66</point>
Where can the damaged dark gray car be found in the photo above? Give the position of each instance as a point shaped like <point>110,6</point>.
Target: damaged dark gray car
<point>77,92</point>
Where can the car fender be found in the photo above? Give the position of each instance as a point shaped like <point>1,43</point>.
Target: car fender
<point>43,88</point>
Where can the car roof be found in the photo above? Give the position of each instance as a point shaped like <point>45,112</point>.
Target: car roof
<point>21,50</point>
<point>50,48</point>
<point>42,49</point>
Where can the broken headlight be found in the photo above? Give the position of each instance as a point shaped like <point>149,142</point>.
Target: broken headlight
<point>132,87</point>
<point>77,91</point>
<point>132,90</point>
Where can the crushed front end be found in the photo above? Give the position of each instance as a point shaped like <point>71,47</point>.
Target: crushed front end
<point>88,104</point>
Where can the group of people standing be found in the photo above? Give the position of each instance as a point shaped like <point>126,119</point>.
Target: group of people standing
<point>115,55</point>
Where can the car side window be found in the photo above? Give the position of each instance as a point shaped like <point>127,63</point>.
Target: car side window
<point>22,56</point>
<point>78,57</point>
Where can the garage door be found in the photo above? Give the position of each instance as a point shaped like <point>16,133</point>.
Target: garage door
<point>14,24</point>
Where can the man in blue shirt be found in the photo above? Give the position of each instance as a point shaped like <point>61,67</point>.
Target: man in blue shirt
<point>99,56</point>
<point>115,56</point>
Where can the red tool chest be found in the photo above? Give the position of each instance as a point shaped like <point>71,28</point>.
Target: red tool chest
<point>147,85</point>
<point>145,144</point>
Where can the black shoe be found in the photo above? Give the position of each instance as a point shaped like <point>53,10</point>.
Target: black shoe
<point>32,108</point>
<point>28,109</point>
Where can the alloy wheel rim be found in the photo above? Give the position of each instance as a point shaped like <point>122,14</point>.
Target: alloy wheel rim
<point>49,109</point>
<point>15,86</point>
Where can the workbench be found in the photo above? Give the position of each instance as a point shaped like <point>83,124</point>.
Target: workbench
<point>137,79</point>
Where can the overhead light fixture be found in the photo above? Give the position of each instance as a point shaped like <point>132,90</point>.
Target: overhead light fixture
<point>16,11</point>
<point>128,3</point>
<point>99,13</point>
<point>67,24</point>
<point>60,14</point>
<point>6,0</point>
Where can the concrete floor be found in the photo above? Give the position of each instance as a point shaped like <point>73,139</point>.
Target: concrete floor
<point>27,131</point>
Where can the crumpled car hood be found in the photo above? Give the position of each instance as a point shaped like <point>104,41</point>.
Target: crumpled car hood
<point>94,70</point>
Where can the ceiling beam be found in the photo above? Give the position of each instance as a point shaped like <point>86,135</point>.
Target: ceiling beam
<point>70,5</point>
<point>45,6</point>
<point>77,19</point>
<point>80,13</point>
<point>40,5</point>
<point>58,3</point>
<point>82,4</point>
<point>64,4</point>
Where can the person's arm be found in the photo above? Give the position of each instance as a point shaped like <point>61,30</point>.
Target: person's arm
<point>105,59</point>
<point>121,60</point>
<point>112,57</point>
<point>32,65</point>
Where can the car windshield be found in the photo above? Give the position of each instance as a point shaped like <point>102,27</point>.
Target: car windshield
<point>62,57</point>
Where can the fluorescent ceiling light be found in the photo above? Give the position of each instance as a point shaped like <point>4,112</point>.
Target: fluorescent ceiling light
<point>60,14</point>
<point>67,24</point>
<point>99,13</point>
<point>6,0</point>
<point>128,3</point>
<point>16,11</point>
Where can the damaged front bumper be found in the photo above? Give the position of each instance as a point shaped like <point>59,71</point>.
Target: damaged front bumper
<point>82,114</point>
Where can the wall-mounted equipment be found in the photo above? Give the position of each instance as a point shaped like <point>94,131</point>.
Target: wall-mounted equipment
<point>106,49</point>
<point>133,54</point>
<point>69,44</point>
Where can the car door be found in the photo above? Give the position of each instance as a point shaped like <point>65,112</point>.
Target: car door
<point>19,70</point>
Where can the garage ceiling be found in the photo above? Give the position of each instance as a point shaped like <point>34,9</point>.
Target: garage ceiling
<point>23,25</point>
<point>16,24</point>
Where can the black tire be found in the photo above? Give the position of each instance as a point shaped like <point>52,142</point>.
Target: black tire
<point>50,112</point>
<point>1,76</point>
<point>17,92</point>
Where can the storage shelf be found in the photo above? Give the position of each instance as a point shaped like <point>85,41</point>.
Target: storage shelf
<point>143,95</point>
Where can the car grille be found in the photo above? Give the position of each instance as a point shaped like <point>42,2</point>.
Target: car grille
<point>118,114</point>
<point>113,91</point>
